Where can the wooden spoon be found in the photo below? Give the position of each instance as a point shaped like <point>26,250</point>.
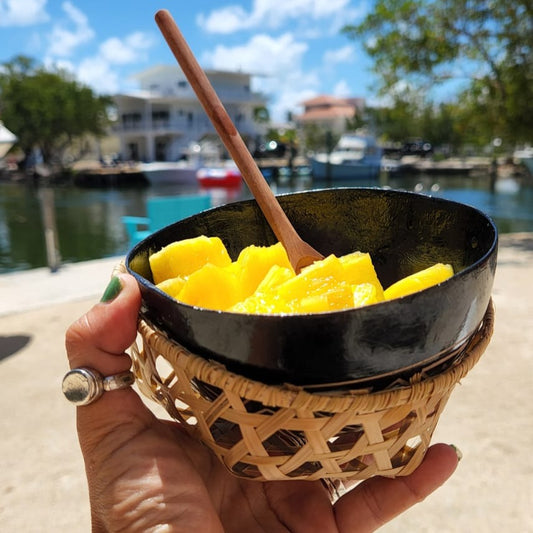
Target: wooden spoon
<point>300,253</point>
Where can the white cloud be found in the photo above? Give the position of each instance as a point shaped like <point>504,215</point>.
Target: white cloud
<point>262,54</point>
<point>342,89</point>
<point>340,55</point>
<point>97,73</point>
<point>66,37</point>
<point>265,13</point>
<point>225,20</point>
<point>102,72</point>
<point>128,50</point>
<point>22,12</point>
<point>277,63</point>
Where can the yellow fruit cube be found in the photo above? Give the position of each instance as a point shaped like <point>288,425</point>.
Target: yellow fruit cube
<point>313,279</point>
<point>211,287</point>
<point>366,294</point>
<point>262,304</point>
<point>182,258</point>
<point>172,286</point>
<point>419,280</point>
<point>358,268</point>
<point>315,303</point>
<point>275,277</point>
<point>256,261</point>
<point>335,298</point>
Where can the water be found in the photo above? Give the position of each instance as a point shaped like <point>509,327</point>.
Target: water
<point>89,226</point>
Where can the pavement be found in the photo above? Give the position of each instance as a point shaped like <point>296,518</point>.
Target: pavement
<point>489,415</point>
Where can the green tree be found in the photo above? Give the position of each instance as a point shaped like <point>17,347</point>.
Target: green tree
<point>421,43</point>
<point>318,138</point>
<point>48,110</point>
<point>261,115</point>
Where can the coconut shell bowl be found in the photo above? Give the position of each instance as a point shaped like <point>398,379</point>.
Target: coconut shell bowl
<point>338,395</point>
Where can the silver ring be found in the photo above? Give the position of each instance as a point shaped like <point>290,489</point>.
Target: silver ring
<point>82,386</point>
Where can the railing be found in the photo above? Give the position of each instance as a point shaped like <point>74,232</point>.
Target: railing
<point>197,124</point>
<point>228,95</point>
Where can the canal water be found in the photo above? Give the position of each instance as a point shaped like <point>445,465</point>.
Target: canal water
<point>88,221</point>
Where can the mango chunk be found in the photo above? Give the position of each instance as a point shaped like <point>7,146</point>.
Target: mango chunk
<point>256,261</point>
<point>275,277</point>
<point>259,303</point>
<point>182,258</point>
<point>358,268</point>
<point>172,286</point>
<point>212,287</point>
<point>366,294</point>
<point>418,281</point>
<point>337,297</point>
<point>319,277</point>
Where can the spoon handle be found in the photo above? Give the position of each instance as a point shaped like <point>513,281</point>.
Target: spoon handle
<point>300,253</point>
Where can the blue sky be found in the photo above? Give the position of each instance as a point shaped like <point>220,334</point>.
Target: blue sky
<point>294,46</point>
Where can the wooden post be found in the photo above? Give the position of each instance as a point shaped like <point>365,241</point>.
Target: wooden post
<point>50,230</point>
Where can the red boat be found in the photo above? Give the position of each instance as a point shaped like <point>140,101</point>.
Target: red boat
<point>219,177</point>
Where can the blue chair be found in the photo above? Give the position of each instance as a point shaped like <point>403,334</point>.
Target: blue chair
<point>162,211</point>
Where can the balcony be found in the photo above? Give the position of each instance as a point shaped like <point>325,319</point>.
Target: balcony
<point>237,95</point>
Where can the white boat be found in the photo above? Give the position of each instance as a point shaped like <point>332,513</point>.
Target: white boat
<point>525,155</point>
<point>356,156</point>
<point>7,140</point>
<point>166,172</point>
<point>184,171</point>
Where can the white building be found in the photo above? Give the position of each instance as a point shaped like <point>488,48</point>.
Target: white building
<point>163,119</point>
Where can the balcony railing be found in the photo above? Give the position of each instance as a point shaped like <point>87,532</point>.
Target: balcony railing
<point>226,95</point>
<point>198,123</point>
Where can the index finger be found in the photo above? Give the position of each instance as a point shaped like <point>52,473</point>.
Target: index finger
<point>378,500</point>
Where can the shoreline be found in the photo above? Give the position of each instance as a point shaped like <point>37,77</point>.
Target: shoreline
<point>488,416</point>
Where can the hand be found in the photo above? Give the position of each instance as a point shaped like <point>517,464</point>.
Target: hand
<point>145,474</point>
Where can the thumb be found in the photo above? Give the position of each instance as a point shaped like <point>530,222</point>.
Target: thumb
<point>98,340</point>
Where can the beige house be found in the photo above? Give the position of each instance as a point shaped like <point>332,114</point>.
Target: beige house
<point>329,112</point>
<point>162,120</point>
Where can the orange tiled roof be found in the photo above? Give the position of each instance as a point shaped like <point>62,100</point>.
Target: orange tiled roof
<point>327,113</point>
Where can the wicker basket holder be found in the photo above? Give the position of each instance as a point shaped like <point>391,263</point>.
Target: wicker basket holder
<point>267,432</point>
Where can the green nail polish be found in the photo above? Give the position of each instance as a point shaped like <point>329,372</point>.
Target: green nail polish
<point>457,451</point>
<point>112,290</point>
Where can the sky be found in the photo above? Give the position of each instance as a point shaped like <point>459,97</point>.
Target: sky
<point>293,48</point>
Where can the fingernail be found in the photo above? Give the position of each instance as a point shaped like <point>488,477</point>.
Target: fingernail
<point>457,451</point>
<point>112,290</point>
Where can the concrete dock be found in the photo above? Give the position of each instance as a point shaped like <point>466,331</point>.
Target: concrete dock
<point>489,416</point>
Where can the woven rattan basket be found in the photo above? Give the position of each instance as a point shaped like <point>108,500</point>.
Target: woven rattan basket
<point>267,432</point>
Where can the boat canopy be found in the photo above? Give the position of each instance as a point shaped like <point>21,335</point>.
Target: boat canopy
<point>7,140</point>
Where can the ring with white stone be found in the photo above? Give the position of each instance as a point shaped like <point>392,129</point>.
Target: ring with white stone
<point>83,386</point>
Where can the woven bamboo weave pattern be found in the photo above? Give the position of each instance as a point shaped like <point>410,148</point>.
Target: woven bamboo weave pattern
<point>267,432</point>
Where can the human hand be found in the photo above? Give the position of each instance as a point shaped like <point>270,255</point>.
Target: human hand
<point>145,474</point>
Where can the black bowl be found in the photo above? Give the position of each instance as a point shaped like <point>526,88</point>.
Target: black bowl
<point>404,232</point>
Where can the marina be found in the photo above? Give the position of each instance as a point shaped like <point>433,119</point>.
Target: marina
<point>88,221</point>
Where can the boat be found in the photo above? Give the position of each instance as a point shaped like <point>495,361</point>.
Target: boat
<point>7,140</point>
<point>356,156</point>
<point>166,172</point>
<point>525,156</point>
<point>184,171</point>
<point>219,176</point>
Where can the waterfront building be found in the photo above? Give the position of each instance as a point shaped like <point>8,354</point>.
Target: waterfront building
<point>164,118</point>
<point>329,113</point>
